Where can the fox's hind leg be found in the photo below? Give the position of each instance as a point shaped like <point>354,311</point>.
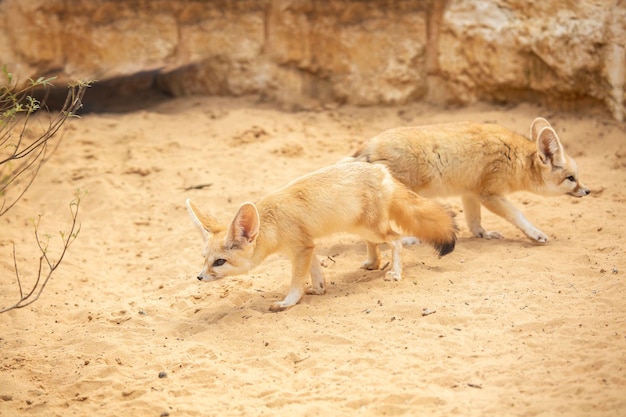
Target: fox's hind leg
<point>373,256</point>
<point>395,273</point>
<point>471,207</point>
<point>318,284</point>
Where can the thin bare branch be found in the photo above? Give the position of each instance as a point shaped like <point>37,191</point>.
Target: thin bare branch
<point>21,158</point>
<point>47,267</point>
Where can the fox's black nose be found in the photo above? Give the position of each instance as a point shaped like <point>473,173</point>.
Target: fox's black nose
<point>199,278</point>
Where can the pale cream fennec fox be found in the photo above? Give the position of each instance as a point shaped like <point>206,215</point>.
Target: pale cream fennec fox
<point>358,198</point>
<point>479,162</point>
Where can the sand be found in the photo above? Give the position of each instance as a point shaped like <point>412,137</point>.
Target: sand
<point>125,328</point>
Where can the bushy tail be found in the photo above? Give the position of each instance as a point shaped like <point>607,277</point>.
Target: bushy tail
<point>423,218</point>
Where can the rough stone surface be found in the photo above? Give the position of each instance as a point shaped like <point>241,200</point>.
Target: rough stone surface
<point>493,49</point>
<point>357,52</point>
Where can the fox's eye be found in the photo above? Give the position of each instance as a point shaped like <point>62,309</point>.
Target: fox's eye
<point>219,262</point>
<point>571,178</point>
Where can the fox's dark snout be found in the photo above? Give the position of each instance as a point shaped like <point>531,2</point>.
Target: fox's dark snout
<point>580,192</point>
<point>199,278</point>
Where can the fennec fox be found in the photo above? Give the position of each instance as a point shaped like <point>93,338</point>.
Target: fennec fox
<point>480,162</point>
<point>358,198</point>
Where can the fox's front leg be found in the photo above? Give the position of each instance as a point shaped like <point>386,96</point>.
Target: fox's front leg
<point>471,207</point>
<point>301,265</point>
<point>503,208</point>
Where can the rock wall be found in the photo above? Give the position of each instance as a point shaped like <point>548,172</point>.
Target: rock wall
<point>360,52</point>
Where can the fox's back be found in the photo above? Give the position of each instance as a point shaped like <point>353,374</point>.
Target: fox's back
<point>450,159</point>
<point>338,198</point>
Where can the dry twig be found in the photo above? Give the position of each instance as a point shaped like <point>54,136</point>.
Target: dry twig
<point>47,266</point>
<point>20,158</point>
<point>22,154</point>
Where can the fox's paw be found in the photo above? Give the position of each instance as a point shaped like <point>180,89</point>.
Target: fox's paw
<point>316,291</point>
<point>482,233</point>
<point>279,306</point>
<point>538,236</point>
<point>370,265</point>
<point>393,276</point>
<point>410,241</point>
<point>493,235</point>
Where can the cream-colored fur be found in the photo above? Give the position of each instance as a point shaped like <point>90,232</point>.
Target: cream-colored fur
<point>479,162</point>
<point>358,198</point>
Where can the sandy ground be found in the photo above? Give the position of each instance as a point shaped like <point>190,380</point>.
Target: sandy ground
<point>519,329</point>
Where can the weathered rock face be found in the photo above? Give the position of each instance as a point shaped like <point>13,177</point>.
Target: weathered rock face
<point>357,52</point>
<point>495,49</point>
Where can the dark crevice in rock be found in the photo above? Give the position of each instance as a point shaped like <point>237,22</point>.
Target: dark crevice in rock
<point>116,95</point>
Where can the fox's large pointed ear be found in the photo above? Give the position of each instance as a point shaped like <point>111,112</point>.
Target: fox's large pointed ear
<point>245,225</point>
<point>536,126</point>
<point>207,224</point>
<point>549,148</point>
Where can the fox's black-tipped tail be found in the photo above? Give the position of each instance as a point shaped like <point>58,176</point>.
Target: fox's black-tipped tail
<point>425,219</point>
<point>445,248</point>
